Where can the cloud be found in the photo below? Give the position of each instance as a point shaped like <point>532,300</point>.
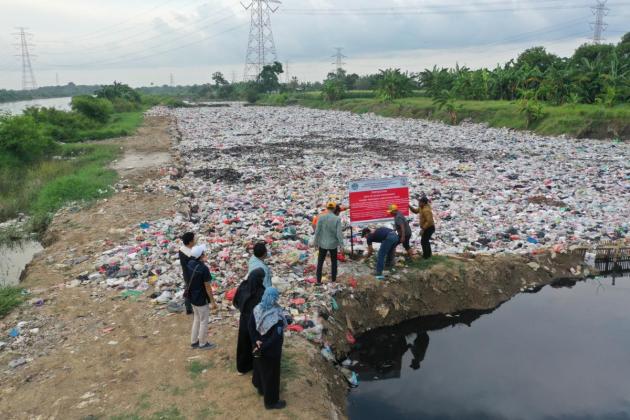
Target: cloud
<point>88,36</point>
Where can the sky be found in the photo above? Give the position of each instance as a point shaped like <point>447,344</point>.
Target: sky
<point>141,42</point>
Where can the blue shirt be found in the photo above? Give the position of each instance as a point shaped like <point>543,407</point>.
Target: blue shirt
<point>378,235</point>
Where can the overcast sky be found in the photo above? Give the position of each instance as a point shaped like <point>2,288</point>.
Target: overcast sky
<point>143,41</point>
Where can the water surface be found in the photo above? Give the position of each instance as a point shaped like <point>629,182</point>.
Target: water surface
<point>14,259</point>
<point>15,108</point>
<point>560,353</point>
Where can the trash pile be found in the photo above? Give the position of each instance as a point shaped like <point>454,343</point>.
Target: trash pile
<point>262,173</point>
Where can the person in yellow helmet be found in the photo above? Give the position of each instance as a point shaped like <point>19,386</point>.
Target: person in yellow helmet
<point>328,239</point>
<point>338,209</point>
<point>401,224</point>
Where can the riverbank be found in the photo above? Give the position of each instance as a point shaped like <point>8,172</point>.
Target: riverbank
<point>98,353</point>
<point>579,121</point>
<point>96,341</point>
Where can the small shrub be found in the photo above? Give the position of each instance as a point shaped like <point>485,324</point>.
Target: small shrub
<point>97,109</point>
<point>10,297</point>
<point>333,90</point>
<point>23,138</point>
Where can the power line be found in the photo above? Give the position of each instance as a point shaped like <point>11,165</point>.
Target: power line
<point>28,77</point>
<point>261,48</point>
<point>599,10</point>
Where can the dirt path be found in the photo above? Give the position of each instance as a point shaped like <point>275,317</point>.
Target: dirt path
<point>91,354</point>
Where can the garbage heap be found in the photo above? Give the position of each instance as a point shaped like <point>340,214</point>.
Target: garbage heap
<point>261,173</point>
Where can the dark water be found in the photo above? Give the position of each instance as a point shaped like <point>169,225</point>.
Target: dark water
<point>560,353</point>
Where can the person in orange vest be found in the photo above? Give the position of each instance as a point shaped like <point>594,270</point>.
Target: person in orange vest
<point>426,224</point>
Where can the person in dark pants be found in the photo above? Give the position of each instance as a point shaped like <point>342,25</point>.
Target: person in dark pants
<point>387,252</point>
<point>426,223</point>
<point>328,238</point>
<point>266,330</point>
<point>188,239</point>
<point>401,224</point>
<point>248,295</point>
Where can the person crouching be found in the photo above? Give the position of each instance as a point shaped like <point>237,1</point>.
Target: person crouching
<point>266,330</point>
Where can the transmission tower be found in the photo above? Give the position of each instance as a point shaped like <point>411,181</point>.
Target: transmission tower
<point>28,77</point>
<point>286,72</point>
<point>599,10</point>
<point>261,49</point>
<point>172,80</point>
<point>339,59</point>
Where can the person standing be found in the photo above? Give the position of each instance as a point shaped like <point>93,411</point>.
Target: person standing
<point>248,295</point>
<point>266,330</point>
<point>200,293</point>
<point>426,224</point>
<point>188,239</point>
<point>387,252</point>
<point>402,228</point>
<point>257,261</point>
<point>328,238</point>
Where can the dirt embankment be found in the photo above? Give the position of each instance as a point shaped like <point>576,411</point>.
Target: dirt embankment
<point>455,285</point>
<point>91,353</point>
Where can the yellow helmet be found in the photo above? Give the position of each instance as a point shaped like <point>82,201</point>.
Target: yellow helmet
<point>331,205</point>
<point>392,208</point>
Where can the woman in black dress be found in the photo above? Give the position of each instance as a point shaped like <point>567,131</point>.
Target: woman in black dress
<point>247,297</point>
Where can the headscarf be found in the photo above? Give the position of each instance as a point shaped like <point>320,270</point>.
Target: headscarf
<point>267,313</point>
<point>254,263</point>
<point>254,283</point>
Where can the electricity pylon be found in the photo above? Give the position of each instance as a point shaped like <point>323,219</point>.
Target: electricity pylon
<point>28,77</point>
<point>599,10</point>
<point>261,49</point>
<point>339,59</point>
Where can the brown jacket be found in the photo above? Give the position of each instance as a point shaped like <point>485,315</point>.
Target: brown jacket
<point>426,215</point>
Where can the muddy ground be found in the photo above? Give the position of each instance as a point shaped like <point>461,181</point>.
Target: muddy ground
<point>97,356</point>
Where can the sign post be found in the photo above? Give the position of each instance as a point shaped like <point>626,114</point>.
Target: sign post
<point>370,198</point>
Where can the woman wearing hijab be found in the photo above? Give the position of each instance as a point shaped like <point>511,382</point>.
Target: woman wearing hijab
<point>266,328</point>
<point>247,296</point>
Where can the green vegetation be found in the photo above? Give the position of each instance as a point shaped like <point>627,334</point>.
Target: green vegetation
<point>422,264</point>
<point>10,297</point>
<point>76,173</point>
<point>196,368</point>
<point>39,174</point>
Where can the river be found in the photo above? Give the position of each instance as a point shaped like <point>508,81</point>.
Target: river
<point>14,259</point>
<point>559,353</point>
<point>18,107</point>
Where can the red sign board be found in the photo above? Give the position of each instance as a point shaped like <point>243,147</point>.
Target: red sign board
<point>370,199</point>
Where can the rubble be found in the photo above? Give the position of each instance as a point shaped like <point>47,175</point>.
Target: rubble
<point>260,173</point>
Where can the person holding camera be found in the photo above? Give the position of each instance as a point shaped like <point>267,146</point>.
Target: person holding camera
<point>266,330</point>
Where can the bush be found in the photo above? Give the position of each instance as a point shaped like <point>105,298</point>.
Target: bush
<point>124,105</point>
<point>22,137</point>
<point>393,84</point>
<point>97,109</point>
<point>333,90</point>
<point>10,297</point>
<point>250,93</point>
<point>119,91</point>
<point>60,125</point>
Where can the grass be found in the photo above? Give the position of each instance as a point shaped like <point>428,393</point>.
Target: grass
<point>196,368</point>
<point>581,121</point>
<point>120,125</point>
<point>79,173</point>
<point>10,297</point>
<point>422,264</point>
